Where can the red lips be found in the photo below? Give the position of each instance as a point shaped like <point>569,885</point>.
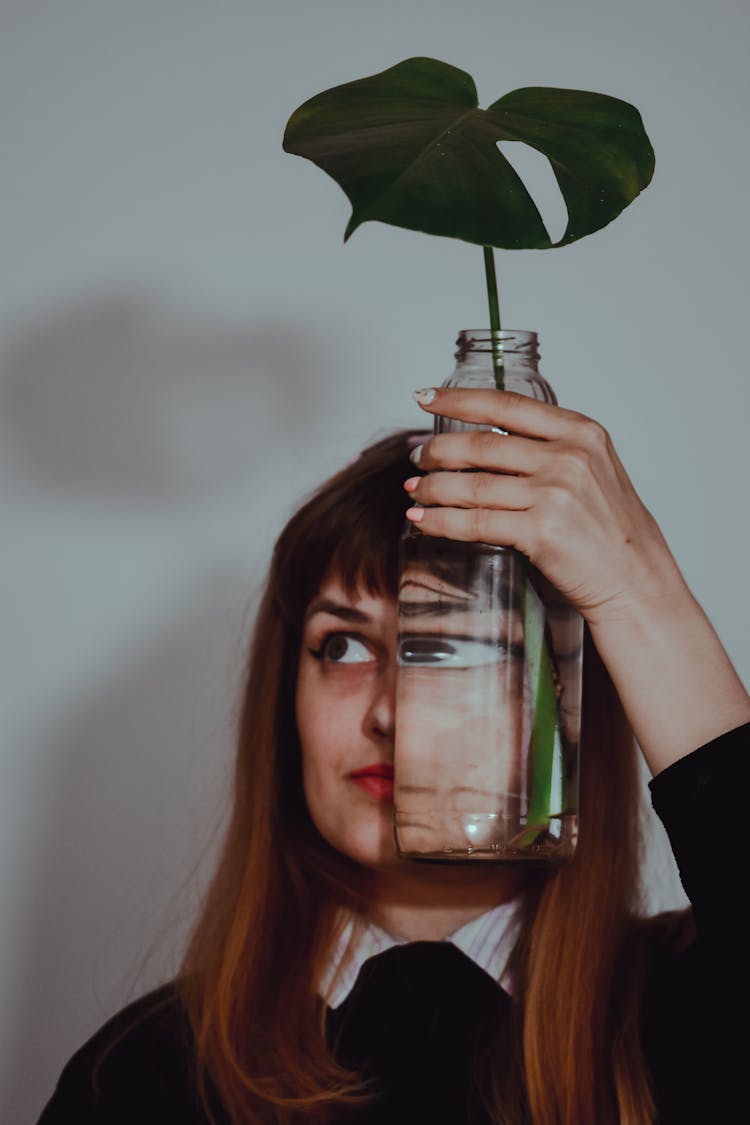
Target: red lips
<point>376,780</point>
<point>377,769</point>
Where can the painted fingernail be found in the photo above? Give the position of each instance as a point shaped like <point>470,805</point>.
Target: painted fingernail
<point>425,395</point>
<point>411,483</point>
<point>415,514</point>
<point>416,454</point>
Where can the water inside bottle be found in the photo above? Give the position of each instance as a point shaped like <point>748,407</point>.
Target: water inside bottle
<point>487,710</point>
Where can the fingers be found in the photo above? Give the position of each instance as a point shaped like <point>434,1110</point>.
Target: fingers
<point>471,490</point>
<point>474,525</point>
<point>543,456</point>
<point>480,449</point>
<point>509,410</point>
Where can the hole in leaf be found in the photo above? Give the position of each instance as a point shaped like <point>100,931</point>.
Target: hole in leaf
<point>537,176</point>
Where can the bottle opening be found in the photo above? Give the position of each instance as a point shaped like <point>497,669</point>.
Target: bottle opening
<point>513,341</point>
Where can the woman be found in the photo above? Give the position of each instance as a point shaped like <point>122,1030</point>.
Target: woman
<point>318,986</point>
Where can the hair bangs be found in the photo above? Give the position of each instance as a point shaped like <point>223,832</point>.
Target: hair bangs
<point>350,528</point>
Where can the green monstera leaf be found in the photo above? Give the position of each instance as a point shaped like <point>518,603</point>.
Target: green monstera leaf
<point>411,147</point>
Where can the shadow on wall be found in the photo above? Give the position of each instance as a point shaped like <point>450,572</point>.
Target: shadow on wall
<point>122,400</point>
<point>126,822</point>
<point>126,406</point>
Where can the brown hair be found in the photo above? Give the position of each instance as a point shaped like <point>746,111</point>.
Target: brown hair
<point>248,980</point>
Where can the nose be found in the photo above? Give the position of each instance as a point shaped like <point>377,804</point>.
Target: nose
<point>380,720</point>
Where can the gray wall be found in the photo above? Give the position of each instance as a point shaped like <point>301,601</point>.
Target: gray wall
<point>186,347</point>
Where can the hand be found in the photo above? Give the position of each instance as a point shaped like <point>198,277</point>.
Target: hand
<point>554,488</point>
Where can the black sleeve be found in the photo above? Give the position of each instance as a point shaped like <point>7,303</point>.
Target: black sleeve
<point>703,800</point>
<point>694,1013</point>
<point>136,1070</point>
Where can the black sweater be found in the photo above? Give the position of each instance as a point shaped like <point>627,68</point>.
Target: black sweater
<point>420,1041</point>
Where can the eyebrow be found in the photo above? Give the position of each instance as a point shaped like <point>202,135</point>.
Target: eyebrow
<point>442,591</point>
<point>338,609</point>
<point>443,607</point>
<point>460,601</point>
<point>438,608</point>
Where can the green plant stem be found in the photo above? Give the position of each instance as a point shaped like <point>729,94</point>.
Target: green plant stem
<point>494,303</point>
<point>537,635</point>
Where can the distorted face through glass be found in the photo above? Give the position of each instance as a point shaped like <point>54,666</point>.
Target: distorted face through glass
<point>463,714</point>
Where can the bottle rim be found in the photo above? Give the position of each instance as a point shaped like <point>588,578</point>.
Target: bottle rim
<point>511,339</point>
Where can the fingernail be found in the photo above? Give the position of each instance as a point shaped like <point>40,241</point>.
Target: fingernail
<point>425,395</point>
<point>415,514</point>
<point>416,454</point>
<point>411,483</point>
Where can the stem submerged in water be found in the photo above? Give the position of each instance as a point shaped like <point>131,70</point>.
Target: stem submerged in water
<point>494,303</point>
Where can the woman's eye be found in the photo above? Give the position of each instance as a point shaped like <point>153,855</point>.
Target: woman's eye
<point>342,649</point>
<point>454,652</point>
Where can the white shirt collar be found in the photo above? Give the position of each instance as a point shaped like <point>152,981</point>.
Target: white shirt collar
<point>488,940</point>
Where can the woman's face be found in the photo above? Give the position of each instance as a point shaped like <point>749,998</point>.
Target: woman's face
<point>345,707</point>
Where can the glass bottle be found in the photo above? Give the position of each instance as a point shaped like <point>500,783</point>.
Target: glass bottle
<point>489,676</point>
